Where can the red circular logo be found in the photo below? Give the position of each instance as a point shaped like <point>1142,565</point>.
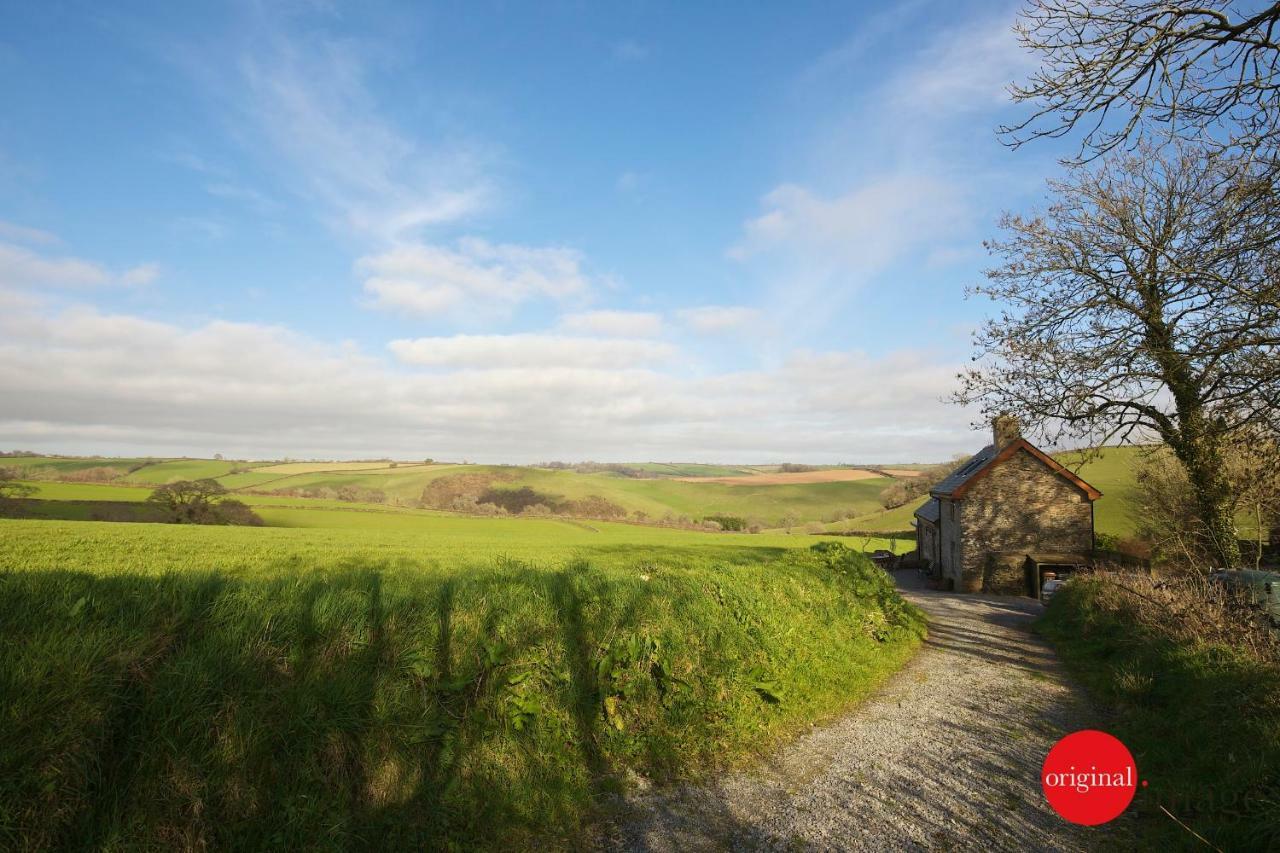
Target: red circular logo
<point>1089,777</point>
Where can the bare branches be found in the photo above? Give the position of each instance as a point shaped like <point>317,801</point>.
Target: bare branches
<point>1142,304</point>
<point>1207,72</point>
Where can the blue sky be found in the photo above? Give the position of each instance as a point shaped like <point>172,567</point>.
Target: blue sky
<point>501,232</point>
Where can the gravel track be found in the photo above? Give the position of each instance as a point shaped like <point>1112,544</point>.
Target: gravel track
<point>946,756</point>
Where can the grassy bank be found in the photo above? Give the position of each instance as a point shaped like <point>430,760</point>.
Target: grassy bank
<point>1201,714</point>
<point>162,691</point>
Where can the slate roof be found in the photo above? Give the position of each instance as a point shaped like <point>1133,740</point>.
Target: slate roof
<point>957,482</point>
<point>965,472</point>
<point>931,511</point>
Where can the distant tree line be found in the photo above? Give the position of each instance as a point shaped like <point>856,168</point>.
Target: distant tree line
<point>479,494</point>
<point>601,468</point>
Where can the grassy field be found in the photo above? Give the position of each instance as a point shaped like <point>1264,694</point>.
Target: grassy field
<point>404,483</point>
<point>1200,715</point>
<point>181,469</point>
<point>464,683</point>
<point>1111,471</point>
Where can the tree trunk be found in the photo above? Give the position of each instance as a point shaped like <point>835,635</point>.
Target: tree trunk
<point>1213,500</point>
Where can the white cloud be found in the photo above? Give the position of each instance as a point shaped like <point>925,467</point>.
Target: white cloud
<point>82,380</point>
<point>142,274</point>
<point>476,275</point>
<point>620,324</point>
<point>22,267</point>
<point>530,350</point>
<point>710,319</point>
<point>865,229</point>
<point>306,106</point>
<point>963,68</point>
<point>24,234</point>
<point>249,196</point>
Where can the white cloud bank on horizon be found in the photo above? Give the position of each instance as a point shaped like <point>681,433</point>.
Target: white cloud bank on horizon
<point>79,380</point>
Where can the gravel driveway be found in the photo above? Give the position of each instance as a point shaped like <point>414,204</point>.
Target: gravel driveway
<point>946,756</point>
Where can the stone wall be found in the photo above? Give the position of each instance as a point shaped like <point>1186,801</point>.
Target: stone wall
<point>927,543</point>
<point>949,544</point>
<point>1020,507</point>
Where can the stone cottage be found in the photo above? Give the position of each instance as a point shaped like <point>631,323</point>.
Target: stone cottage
<point>1007,511</point>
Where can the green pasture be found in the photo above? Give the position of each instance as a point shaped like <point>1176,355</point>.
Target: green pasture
<point>182,469</point>
<point>54,466</point>
<point>1111,470</point>
<point>654,497</point>
<point>478,684</point>
<point>692,469</point>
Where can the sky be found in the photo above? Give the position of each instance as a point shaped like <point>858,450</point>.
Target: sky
<point>501,232</point>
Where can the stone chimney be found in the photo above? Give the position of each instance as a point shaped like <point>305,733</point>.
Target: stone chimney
<point>1004,431</point>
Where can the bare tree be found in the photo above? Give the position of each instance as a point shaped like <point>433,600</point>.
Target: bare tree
<point>201,502</point>
<point>1207,71</point>
<point>12,488</point>
<point>1142,304</point>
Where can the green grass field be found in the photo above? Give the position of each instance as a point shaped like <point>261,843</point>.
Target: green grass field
<point>1200,715</point>
<point>404,484</point>
<point>181,469</point>
<point>1111,471</point>
<point>399,680</point>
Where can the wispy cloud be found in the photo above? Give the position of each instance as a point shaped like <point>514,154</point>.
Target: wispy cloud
<point>303,104</point>
<point>22,267</point>
<point>476,276</point>
<point>716,319</point>
<point>252,198</point>
<point>963,68</point>
<point>620,324</point>
<point>864,229</point>
<point>23,234</point>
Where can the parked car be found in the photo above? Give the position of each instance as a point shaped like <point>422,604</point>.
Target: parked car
<point>1256,588</point>
<point>1051,586</point>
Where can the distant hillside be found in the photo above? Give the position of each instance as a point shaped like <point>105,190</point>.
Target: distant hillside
<point>755,494</point>
<point>1110,469</point>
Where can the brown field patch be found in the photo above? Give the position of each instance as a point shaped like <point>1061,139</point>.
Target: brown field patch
<point>834,475</point>
<point>901,472</point>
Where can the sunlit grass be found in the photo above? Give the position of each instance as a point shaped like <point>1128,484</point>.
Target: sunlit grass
<point>177,686</point>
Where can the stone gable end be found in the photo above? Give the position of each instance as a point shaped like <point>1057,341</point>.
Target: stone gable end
<point>1020,506</point>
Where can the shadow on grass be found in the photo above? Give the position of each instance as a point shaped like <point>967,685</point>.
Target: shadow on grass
<point>372,705</point>
<point>67,510</point>
<point>361,707</point>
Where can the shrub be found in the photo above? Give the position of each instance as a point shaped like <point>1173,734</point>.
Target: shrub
<point>728,522</point>
<point>594,506</point>
<point>515,501</point>
<point>200,502</point>
<point>1194,684</point>
<point>445,492</point>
